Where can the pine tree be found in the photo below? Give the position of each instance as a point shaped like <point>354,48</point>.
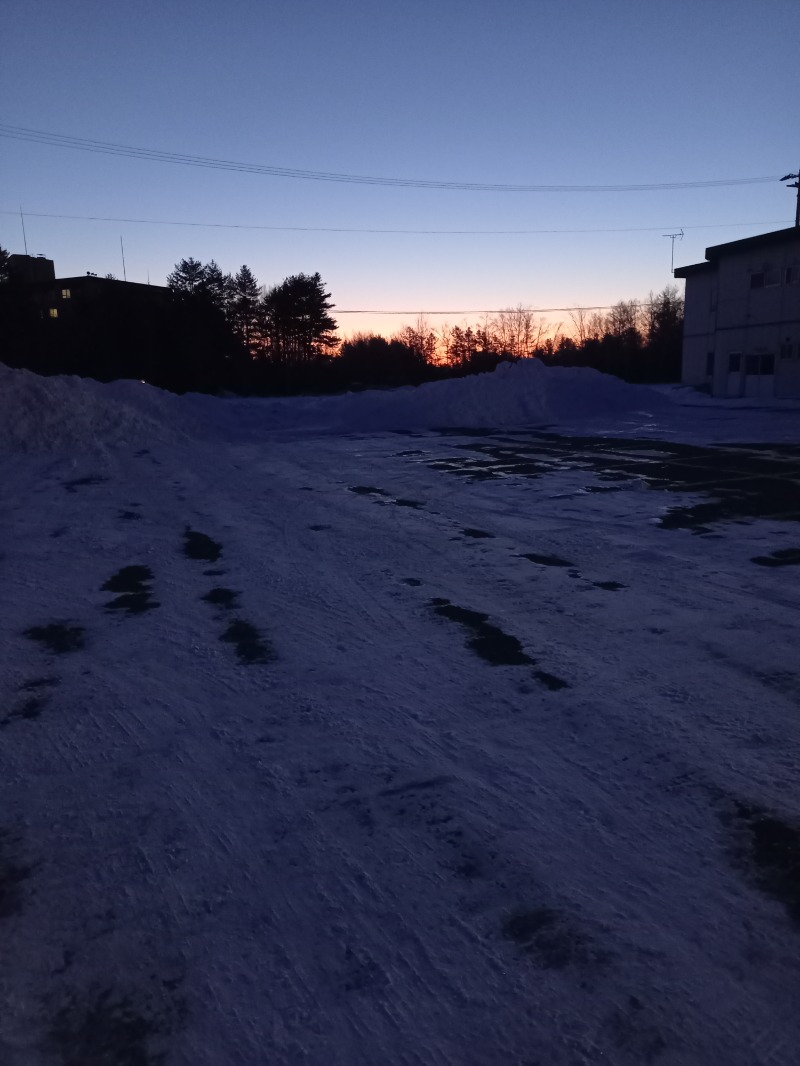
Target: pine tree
<point>187,277</point>
<point>299,326</point>
<point>244,309</point>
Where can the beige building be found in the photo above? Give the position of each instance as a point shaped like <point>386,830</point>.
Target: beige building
<point>741,333</point>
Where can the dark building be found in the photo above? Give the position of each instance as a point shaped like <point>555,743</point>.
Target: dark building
<point>108,329</point>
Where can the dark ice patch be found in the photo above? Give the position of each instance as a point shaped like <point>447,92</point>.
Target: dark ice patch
<point>487,641</point>
<point>12,873</point>
<point>366,490</point>
<point>413,581</point>
<point>415,504</point>
<point>550,681</point>
<point>548,938</point>
<point>80,482</point>
<point>128,516</point>
<point>767,849</point>
<point>545,560</point>
<point>250,647</point>
<point>782,557</point>
<point>113,1029</point>
<point>221,597</point>
<point>200,546</point>
<point>39,682</point>
<point>29,709</point>
<point>609,586</point>
<point>318,528</point>
<point>133,582</point>
<point>477,533</point>
<point>58,637</point>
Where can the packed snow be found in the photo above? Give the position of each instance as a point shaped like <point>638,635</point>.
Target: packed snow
<point>447,725</point>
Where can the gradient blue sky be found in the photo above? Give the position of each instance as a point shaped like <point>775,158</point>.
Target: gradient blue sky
<point>536,92</point>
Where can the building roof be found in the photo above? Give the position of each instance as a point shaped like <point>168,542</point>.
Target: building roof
<point>761,240</point>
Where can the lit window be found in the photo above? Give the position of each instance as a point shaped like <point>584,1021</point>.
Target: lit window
<point>734,362</point>
<point>65,294</point>
<point>54,312</point>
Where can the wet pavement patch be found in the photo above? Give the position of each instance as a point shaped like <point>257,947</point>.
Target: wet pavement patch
<point>134,584</point>
<point>486,641</point>
<point>250,647</point>
<point>80,482</point>
<point>767,848</point>
<point>58,637</point>
<point>546,936</point>
<point>545,560</point>
<point>477,533</point>
<point>366,490</point>
<point>782,557</point>
<point>221,597</point>
<point>735,482</point>
<point>12,874</point>
<point>609,586</point>
<point>199,546</point>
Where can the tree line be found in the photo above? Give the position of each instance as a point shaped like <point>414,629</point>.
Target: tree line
<point>220,332</point>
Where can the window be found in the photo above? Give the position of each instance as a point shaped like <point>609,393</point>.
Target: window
<point>757,280</point>
<point>734,362</point>
<point>786,350</point>
<point>65,294</point>
<point>54,312</point>
<point>709,364</point>
<point>791,275</point>
<point>760,364</point>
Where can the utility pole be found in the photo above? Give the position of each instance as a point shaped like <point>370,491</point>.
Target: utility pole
<point>795,185</point>
<point>673,237</point>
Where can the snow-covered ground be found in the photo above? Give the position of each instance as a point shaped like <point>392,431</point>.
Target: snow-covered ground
<point>455,725</point>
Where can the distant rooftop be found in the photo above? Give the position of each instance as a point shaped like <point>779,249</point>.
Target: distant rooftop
<point>761,240</point>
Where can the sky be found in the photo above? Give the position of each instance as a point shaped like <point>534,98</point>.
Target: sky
<point>505,93</point>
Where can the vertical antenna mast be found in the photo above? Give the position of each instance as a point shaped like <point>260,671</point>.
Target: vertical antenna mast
<point>795,185</point>
<point>22,220</point>
<point>673,237</point>
<point>122,250</point>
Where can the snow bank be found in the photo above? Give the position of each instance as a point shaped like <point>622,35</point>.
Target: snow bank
<point>76,414</point>
<point>69,413</point>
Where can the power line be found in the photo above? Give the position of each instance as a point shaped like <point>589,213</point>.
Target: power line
<point>411,232</point>
<point>59,140</point>
<point>497,311</point>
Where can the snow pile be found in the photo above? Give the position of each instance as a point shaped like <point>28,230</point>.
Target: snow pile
<point>60,413</point>
<point>526,393</point>
<point>43,414</point>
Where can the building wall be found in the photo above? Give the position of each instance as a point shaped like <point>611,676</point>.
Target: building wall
<point>742,325</point>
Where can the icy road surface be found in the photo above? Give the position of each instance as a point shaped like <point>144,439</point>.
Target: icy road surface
<point>402,749</point>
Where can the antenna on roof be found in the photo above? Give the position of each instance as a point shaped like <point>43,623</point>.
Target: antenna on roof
<point>795,185</point>
<point>22,220</point>
<point>124,275</point>
<point>673,237</point>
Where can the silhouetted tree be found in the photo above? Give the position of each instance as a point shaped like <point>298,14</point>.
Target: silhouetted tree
<point>187,277</point>
<point>297,322</point>
<point>3,266</point>
<point>243,309</point>
<point>368,359</point>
